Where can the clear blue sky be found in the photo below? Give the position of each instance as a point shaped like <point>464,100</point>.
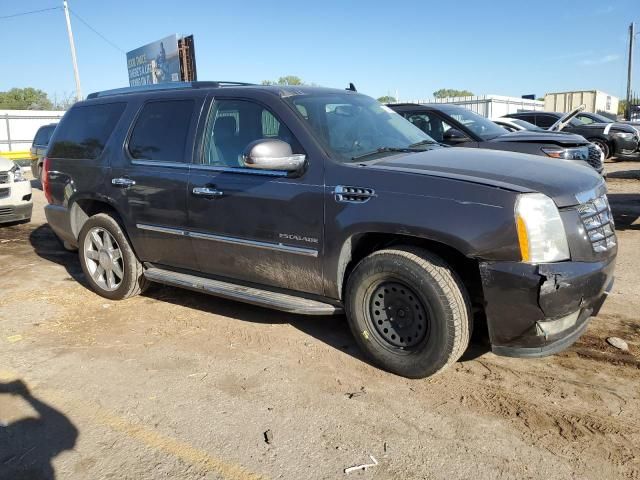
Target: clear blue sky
<point>502,47</point>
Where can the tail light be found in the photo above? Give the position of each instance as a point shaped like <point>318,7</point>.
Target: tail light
<point>46,185</point>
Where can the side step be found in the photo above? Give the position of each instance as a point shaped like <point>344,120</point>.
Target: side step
<point>255,296</point>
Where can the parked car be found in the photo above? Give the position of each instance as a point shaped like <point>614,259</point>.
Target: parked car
<point>516,125</point>
<point>588,118</point>
<point>15,193</point>
<point>617,139</point>
<point>455,125</point>
<point>318,201</point>
<point>39,148</point>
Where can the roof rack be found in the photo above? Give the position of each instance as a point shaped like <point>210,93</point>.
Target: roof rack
<point>166,86</point>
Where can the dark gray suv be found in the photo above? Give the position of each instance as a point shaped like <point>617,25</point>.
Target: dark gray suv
<point>319,201</point>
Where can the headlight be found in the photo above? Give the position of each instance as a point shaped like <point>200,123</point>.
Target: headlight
<point>541,233</point>
<point>624,135</point>
<point>18,176</point>
<point>574,153</point>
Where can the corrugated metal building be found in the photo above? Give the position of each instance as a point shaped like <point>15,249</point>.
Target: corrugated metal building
<point>595,100</point>
<point>490,106</point>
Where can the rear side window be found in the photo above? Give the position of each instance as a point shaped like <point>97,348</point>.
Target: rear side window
<point>545,121</point>
<point>43,135</point>
<point>160,132</point>
<point>84,131</point>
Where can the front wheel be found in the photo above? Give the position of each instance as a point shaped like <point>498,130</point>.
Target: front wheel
<point>408,311</point>
<point>107,259</point>
<point>604,146</point>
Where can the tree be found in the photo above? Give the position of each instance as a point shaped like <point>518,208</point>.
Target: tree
<point>387,99</point>
<point>25,99</point>
<point>451,92</point>
<point>64,101</point>
<point>286,80</point>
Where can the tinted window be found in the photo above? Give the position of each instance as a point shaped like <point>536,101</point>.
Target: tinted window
<point>545,121</point>
<point>233,125</point>
<point>160,131</point>
<point>84,131</point>
<point>430,124</point>
<point>43,135</point>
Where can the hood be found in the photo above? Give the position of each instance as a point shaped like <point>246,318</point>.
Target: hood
<point>6,164</point>
<point>562,181</point>
<point>527,136</point>
<point>563,121</point>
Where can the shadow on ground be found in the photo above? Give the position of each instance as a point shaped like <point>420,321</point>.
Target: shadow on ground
<point>28,445</point>
<point>626,210</point>
<point>332,330</point>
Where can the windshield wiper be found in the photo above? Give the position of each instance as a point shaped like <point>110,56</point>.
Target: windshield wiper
<point>409,149</point>
<point>428,142</point>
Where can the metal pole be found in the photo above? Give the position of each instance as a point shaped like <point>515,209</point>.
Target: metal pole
<point>6,119</point>
<point>76,74</point>
<point>629,71</point>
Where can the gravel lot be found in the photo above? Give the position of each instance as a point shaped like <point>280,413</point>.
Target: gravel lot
<point>175,384</point>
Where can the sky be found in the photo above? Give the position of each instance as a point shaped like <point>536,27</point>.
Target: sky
<point>410,47</point>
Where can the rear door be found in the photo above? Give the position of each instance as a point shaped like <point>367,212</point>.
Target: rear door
<point>260,226</point>
<point>149,181</point>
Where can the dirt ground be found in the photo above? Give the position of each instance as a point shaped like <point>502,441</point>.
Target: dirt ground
<point>175,384</point>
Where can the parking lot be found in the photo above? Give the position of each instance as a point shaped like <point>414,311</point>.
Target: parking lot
<point>175,384</point>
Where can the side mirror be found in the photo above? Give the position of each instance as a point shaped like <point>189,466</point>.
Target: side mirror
<point>453,135</point>
<point>272,154</point>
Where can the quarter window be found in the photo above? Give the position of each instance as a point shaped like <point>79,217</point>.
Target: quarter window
<point>233,125</point>
<point>160,132</point>
<point>84,131</point>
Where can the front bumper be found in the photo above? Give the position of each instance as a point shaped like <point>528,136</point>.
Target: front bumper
<point>15,204</point>
<point>626,148</point>
<point>524,302</point>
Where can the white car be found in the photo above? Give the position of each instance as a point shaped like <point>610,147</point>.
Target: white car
<point>15,193</point>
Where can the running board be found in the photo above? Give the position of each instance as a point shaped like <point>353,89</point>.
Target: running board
<point>254,296</point>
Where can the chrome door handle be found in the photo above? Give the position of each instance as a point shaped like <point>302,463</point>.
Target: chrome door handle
<point>123,182</point>
<point>207,192</point>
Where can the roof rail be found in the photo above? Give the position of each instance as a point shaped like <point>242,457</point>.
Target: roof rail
<point>165,86</point>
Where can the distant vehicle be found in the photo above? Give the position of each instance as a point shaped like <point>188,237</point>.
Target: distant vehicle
<point>39,148</point>
<point>516,125</point>
<point>457,126</point>
<point>15,193</point>
<point>318,201</point>
<point>588,118</point>
<point>614,139</point>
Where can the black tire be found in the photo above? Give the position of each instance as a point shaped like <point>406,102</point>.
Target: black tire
<point>132,281</point>
<point>418,281</point>
<point>604,146</point>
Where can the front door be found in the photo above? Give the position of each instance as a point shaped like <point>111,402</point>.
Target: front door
<point>150,181</point>
<point>254,226</point>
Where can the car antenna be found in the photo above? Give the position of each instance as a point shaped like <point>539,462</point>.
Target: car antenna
<point>351,87</point>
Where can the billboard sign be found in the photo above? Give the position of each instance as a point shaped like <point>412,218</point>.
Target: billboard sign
<point>156,62</point>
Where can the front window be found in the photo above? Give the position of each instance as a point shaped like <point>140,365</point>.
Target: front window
<point>593,118</point>
<point>352,126</point>
<point>481,126</point>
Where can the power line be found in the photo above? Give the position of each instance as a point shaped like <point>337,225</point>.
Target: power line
<point>29,13</point>
<point>97,32</point>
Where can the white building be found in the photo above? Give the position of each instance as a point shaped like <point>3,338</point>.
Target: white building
<point>595,100</point>
<point>490,106</point>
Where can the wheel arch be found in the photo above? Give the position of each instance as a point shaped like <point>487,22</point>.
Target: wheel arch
<point>87,206</point>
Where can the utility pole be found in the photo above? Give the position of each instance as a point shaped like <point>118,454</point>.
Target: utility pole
<point>76,74</point>
<point>629,71</point>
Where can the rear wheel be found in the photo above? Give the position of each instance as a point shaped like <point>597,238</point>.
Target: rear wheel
<point>408,311</point>
<point>604,146</point>
<point>107,259</point>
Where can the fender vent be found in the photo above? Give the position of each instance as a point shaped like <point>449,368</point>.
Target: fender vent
<point>353,194</point>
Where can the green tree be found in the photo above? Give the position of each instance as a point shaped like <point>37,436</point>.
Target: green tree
<point>452,92</point>
<point>387,99</point>
<point>25,99</point>
<point>286,80</point>
<point>622,107</point>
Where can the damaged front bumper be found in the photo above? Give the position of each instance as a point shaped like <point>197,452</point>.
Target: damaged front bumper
<point>538,310</point>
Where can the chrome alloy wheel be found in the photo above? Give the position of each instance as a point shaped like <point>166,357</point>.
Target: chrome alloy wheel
<point>103,258</point>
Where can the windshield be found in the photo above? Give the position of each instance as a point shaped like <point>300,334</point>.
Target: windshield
<point>526,125</point>
<point>481,126</point>
<point>352,125</point>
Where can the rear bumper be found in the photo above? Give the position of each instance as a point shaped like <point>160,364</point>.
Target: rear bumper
<point>60,222</point>
<point>538,310</point>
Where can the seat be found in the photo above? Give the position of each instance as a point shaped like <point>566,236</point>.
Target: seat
<point>225,150</point>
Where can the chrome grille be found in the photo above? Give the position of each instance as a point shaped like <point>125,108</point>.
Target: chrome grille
<point>598,223</point>
<point>4,192</point>
<point>4,177</point>
<point>595,157</point>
